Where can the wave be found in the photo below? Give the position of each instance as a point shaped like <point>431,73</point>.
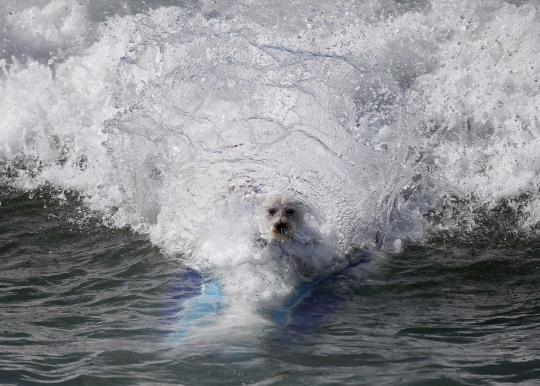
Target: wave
<point>396,118</point>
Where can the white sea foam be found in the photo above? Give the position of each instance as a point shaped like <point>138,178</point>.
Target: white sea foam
<point>169,121</point>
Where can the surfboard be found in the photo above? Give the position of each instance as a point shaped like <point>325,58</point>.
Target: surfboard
<point>306,308</point>
<point>209,302</point>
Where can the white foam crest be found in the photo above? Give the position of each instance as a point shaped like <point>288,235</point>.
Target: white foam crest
<point>53,120</point>
<point>370,113</point>
<point>46,30</point>
<point>480,105</point>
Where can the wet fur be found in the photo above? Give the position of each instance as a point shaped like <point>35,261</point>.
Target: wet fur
<point>281,219</point>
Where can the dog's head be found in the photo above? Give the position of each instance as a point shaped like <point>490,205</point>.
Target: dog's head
<point>281,216</point>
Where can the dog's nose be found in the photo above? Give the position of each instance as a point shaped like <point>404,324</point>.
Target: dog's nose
<point>281,227</point>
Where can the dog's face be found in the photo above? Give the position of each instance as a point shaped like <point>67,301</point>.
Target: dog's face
<point>281,216</point>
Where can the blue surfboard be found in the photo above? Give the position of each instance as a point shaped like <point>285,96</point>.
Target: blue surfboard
<point>209,302</point>
<point>311,302</point>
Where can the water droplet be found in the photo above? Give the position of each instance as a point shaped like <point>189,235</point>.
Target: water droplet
<point>501,104</point>
<point>459,43</point>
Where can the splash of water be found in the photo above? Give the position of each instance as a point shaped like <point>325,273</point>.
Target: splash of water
<point>377,115</point>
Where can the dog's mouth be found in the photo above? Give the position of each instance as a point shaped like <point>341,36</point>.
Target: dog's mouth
<point>281,230</point>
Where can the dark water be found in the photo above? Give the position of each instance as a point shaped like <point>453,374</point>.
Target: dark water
<point>85,304</point>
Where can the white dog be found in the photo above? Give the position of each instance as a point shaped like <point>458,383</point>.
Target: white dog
<point>281,222</point>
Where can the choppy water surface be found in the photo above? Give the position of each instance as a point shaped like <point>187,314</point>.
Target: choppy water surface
<point>136,137</point>
<point>84,304</point>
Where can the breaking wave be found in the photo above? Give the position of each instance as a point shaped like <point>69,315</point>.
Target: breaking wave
<point>393,121</point>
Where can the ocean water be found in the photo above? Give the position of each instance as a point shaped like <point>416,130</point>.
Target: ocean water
<point>136,138</point>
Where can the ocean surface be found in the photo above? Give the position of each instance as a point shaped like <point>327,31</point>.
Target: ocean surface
<point>137,136</point>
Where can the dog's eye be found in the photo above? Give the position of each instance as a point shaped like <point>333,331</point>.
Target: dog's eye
<point>289,212</point>
<point>272,212</point>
